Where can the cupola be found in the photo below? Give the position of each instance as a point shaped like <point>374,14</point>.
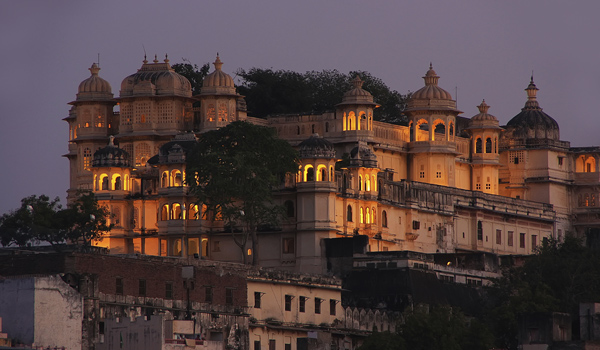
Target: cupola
<point>94,87</point>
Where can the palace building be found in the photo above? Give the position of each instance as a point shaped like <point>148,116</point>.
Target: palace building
<point>449,182</point>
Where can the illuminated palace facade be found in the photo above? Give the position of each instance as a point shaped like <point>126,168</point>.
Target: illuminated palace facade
<point>443,184</point>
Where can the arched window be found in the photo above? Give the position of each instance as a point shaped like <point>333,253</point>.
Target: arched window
<point>193,212</point>
<point>323,174</point>
<point>104,181</point>
<point>310,174</point>
<point>451,129</point>
<point>373,216</point>
<point>362,215</point>
<point>488,145</point>
<point>331,174</point>
<point>384,219</point>
<point>349,213</point>
<point>478,145</point>
<point>164,212</point>
<point>118,183</point>
<point>164,181</point>
<point>360,182</point>
<point>367,183</point>
<point>177,212</point>
<point>351,121</point>
<point>177,178</point>
<point>368,216</point>
<point>289,209</point>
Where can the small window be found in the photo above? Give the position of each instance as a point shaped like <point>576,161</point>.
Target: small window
<point>208,294</point>
<point>522,240</point>
<point>488,186</point>
<point>142,288</point>
<point>257,345</point>
<point>477,186</point>
<point>384,222</point>
<point>438,174</point>
<point>416,225</point>
<point>560,161</point>
<point>302,306</point>
<point>349,214</point>
<point>257,297</point>
<point>318,302</point>
<point>498,236</point>
<point>288,245</point>
<point>533,241</point>
<point>289,209</point>
<point>332,304</point>
<point>119,286</point>
<point>288,302</point>
<point>509,238</point>
<point>228,296</point>
<point>421,175</point>
<point>479,231</point>
<point>288,347</point>
<point>169,290</point>
<point>272,344</point>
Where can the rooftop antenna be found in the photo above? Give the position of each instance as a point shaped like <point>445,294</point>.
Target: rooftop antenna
<point>143,47</point>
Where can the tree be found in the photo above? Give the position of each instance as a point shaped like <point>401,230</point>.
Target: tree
<point>194,74</point>
<point>270,92</point>
<point>556,279</point>
<point>233,171</point>
<point>40,219</point>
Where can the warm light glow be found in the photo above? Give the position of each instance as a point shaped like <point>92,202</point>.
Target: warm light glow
<point>249,251</point>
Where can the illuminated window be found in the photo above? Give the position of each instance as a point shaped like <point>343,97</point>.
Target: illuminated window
<point>87,158</point>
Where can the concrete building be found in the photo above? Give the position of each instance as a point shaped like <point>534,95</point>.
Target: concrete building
<point>443,184</point>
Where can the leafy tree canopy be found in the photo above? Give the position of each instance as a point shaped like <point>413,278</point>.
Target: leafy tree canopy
<point>193,73</point>
<point>271,92</point>
<point>233,171</point>
<point>440,328</point>
<point>556,279</point>
<point>40,219</point>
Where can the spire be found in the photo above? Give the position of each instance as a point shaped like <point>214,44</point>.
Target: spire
<point>431,78</point>
<point>483,107</point>
<point>145,61</point>
<point>532,90</point>
<point>155,59</point>
<point>94,69</point>
<point>357,83</point>
<point>166,58</point>
<point>218,64</point>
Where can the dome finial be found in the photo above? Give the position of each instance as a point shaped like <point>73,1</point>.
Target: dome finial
<point>94,69</point>
<point>430,65</point>
<point>155,59</point>
<point>218,64</point>
<point>431,77</point>
<point>357,83</point>
<point>483,107</point>
<point>166,58</point>
<point>145,61</point>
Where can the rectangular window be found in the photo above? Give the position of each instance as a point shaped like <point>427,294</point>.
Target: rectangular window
<point>488,186</point>
<point>228,296</point>
<point>332,304</point>
<point>560,161</point>
<point>522,240</point>
<point>438,174</point>
<point>208,294</point>
<point>509,239</point>
<point>533,241</point>
<point>288,302</point>
<point>416,225</point>
<point>257,345</point>
<point>421,175</point>
<point>318,305</point>
<point>477,186</point>
<point>302,304</point>
<point>169,290</point>
<point>479,231</point>
<point>288,246</point>
<point>272,344</point>
<point>498,236</point>
<point>142,288</point>
<point>288,347</point>
<point>119,286</point>
<point>215,246</point>
<point>257,296</point>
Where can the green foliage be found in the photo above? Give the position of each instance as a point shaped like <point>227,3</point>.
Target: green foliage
<point>556,279</point>
<point>234,169</point>
<point>40,219</point>
<point>193,73</point>
<point>383,341</point>
<point>271,92</point>
<point>441,328</point>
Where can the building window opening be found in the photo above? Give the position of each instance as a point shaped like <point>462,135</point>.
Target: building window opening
<point>479,231</point>
<point>169,290</point>
<point>257,299</point>
<point>310,174</point>
<point>228,296</point>
<point>488,145</point>
<point>288,245</point>
<point>318,302</point>
<point>522,240</point>
<point>289,209</point>
<point>119,286</point>
<point>142,288</point>
<point>478,145</point>
<point>332,305</point>
<point>349,214</point>
<point>208,294</point>
<point>302,306</point>
<point>288,302</point>
<point>384,222</point>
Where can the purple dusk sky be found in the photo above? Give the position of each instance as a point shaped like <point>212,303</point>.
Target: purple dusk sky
<point>484,49</point>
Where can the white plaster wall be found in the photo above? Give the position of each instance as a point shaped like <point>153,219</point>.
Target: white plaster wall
<point>58,313</point>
